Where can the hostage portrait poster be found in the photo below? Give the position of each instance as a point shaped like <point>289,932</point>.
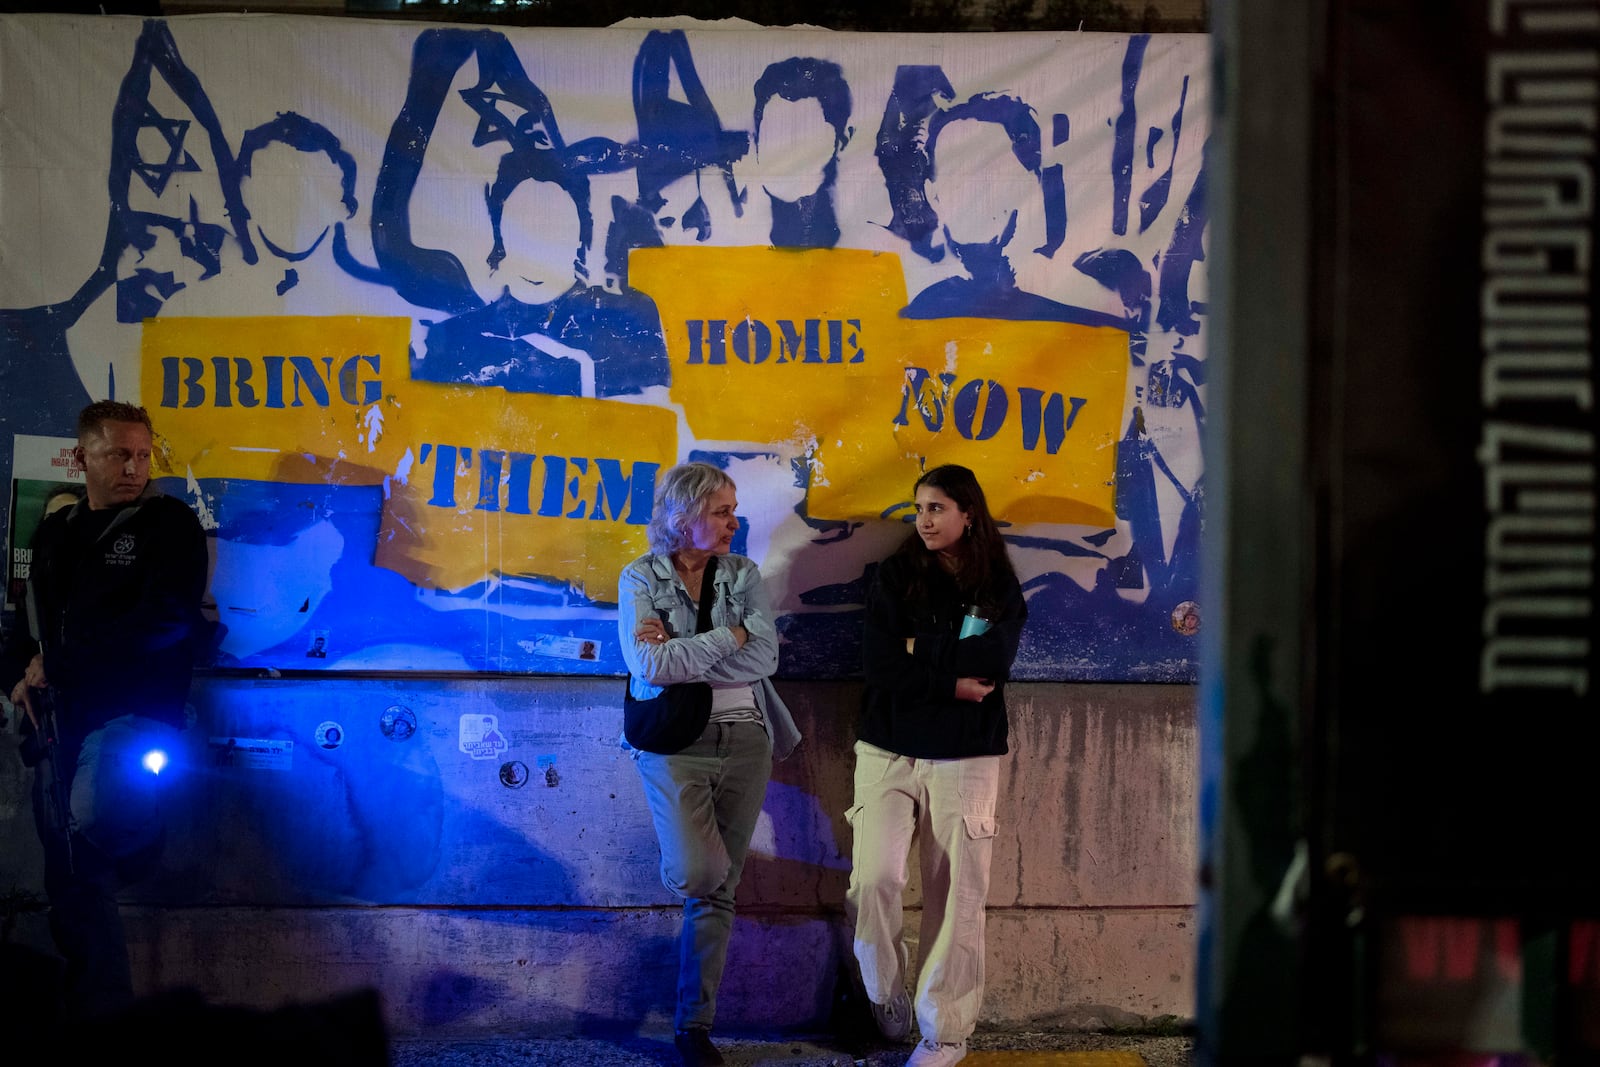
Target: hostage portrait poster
<point>421,313</point>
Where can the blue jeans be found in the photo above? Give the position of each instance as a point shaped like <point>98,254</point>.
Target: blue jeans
<point>704,802</point>
<point>112,835</point>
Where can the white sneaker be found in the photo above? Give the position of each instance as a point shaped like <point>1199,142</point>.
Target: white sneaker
<point>894,1018</point>
<point>936,1054</point>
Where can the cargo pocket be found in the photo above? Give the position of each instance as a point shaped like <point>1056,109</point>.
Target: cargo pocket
<point>970,878</point>
<point>979,786</point>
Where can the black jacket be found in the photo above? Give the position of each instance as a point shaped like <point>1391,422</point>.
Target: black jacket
<point>117,594</point>
<point>909,705</point>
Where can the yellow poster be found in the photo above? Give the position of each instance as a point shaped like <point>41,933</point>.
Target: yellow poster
<point>278,398</point>
<point>772,344</point>
<point>1034,408</point>
<point>494,483</point>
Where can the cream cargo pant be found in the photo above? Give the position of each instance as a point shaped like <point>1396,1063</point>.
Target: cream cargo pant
<point>948,807</point>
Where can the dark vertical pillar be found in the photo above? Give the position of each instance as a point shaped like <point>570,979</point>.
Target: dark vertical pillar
<point>1410,277</point>
<point>1454,437</point>
<point>1258,536</point>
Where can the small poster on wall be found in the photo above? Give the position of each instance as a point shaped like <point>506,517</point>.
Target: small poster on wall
<point>43,477</point>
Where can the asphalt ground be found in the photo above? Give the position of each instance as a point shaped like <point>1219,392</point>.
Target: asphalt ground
<point>183,1028</point>
<point>988,1049</point>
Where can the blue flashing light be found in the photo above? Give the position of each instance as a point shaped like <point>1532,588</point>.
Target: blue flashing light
<point>154,761</point>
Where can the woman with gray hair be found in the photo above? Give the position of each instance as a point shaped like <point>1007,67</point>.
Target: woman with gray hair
<point>704,797</point>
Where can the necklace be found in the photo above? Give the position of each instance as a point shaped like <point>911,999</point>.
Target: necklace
<point>692,579</point>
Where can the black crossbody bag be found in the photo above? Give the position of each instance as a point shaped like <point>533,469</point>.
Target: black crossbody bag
<point>671,721</point>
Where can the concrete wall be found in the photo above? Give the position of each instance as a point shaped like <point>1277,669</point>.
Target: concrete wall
<point>480,907</point>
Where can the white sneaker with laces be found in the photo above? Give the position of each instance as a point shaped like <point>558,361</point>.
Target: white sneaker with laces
<point>930,1053</point>
<point>894,1018</point>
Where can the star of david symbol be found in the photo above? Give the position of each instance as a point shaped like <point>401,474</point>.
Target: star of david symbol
<point>172,131</point>
<point>515,123</point>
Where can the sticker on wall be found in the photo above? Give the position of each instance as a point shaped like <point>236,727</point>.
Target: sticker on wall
<point>514,774</point>
<point>1186,618</point>
<point>562,647</point>
<point>319,645</point>
<point>250,753</point>
<point>547,764</point>
<point>330,735</point>
<point>481,737</point>
<point>398,722</point>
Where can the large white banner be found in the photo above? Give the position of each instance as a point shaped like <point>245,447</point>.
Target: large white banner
<point>420,314</point>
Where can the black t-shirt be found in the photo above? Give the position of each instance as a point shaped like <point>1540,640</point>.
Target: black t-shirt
<point>117,593</point>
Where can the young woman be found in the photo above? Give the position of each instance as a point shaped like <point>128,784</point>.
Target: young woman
<point>931,733</point>
<point>704,799</point>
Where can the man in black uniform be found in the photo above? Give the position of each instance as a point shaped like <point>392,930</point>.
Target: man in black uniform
<point>101,665</point>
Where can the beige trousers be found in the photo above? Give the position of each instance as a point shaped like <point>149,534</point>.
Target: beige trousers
<point>947,806</point>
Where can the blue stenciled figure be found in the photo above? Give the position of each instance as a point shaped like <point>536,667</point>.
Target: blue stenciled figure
<point>990,145</point>
<point>903,157</point>
<point>509,266</point>
<point>680,136</point>
<point>541,329</point>
<point>680,139</point>
<point>299,134</point>
<point>172,187</point>
<point>802,121</point>
<point>284,166</point>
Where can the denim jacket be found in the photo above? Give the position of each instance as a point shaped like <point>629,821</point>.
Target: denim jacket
<point>649,586</point>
